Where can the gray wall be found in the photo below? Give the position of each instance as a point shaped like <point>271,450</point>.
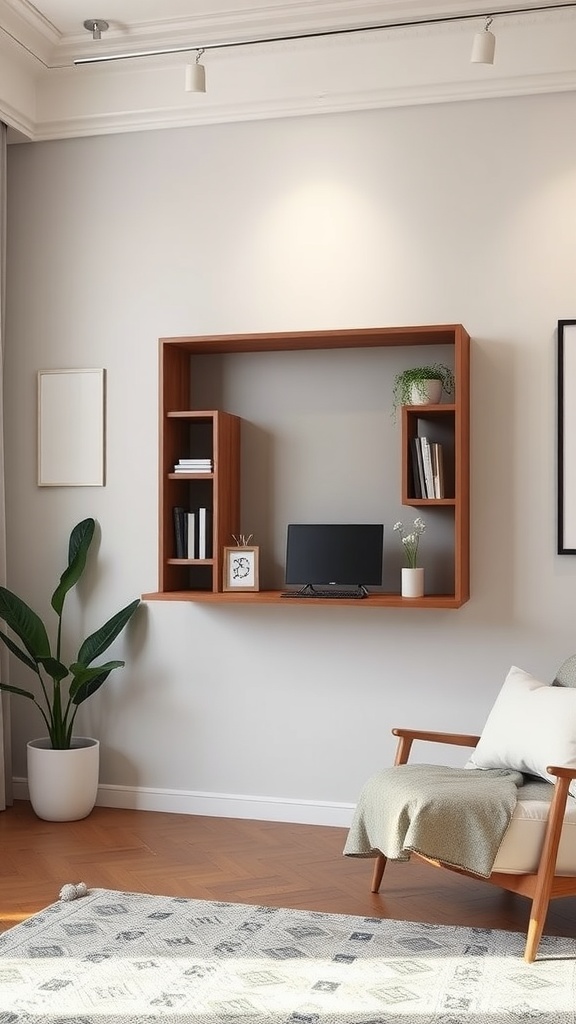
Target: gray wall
<point>455,213</point>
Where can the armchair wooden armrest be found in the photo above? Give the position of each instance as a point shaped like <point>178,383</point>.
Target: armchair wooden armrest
<point>562,772</point>
<point>406,738</point>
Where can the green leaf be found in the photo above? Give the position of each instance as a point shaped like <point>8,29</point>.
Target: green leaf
<point>88,680</point>
<point>16,689</point>
<point>54,668</point>
<point>18,651</point>
<point>100,641</point>
<point>80,538</point>
<point>26,624</point>
<point>80,541</point>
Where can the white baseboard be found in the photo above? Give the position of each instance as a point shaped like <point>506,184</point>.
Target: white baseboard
<point>217,805</point>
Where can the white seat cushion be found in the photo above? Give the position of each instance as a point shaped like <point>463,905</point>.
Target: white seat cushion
<point>520,849</point>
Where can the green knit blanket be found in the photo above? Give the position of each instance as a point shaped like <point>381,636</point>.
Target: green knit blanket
<point>455,815</point>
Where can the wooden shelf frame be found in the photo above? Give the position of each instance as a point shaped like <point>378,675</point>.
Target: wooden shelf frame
<point>218,490</point>
<point>201,581</point>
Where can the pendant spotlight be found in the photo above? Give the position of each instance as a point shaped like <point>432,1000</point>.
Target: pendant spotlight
<point>196,75</point>
<point>96,26</point>
<point>484,45</point>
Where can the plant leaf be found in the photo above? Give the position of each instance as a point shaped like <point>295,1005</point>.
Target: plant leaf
<point>16,689</point>
<point>26,624</point>
<point>18,652</point>
<point>88,680</point>
<point>79,543</point>
<point>100,641</point>
<point>54,668</point>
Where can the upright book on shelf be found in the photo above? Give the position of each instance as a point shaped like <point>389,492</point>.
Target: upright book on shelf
<point>417,472</point>
<point>191,538</point>
<point>180,524</point>
<point>438,469</point>
<point>427,464</point>
<point>204,533</point>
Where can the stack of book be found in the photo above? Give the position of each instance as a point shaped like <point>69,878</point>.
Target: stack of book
<point>192,532</point>
<point>427,468</point>
<point>193,466</point>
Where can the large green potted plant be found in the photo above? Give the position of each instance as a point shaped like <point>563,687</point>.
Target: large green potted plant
<point>422,385</point>
<point>61,689</point>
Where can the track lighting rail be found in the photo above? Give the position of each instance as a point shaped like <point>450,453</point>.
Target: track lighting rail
<point>381,27</point>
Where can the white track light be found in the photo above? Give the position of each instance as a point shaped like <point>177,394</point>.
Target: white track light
<point>484,45</point>
<point>196,75</point>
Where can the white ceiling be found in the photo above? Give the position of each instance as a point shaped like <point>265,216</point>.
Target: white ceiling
<point>66,16</point>
<point>194,22</point>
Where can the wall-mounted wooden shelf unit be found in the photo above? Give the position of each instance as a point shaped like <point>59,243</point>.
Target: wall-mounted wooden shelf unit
<point>215,434</point>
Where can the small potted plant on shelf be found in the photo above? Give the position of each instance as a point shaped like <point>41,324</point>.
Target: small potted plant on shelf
<point>422,385</point>
<point>60,787</point>
<point>412,575</point>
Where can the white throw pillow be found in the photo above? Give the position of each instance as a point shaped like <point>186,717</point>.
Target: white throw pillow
<point>532,725</point>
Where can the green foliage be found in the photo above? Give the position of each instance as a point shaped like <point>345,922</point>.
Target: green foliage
<point>413,377</point>
<point>59,703</point>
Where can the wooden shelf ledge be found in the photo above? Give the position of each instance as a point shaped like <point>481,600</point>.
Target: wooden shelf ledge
<point>275,597</point>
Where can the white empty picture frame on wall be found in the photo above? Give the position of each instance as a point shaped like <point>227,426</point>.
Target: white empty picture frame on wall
<point>71,428</point>
<point>567,437</point>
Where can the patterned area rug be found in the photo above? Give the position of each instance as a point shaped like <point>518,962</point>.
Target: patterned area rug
<point>115,957</point>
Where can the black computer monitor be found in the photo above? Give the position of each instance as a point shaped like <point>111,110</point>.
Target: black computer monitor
<point>341,554</point>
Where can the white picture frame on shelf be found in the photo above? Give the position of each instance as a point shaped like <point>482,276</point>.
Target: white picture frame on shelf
<point>71,428</point>
<point>241,569</point>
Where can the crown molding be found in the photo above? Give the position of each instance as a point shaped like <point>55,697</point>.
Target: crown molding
<point>27,32</point>
<point>151,120</point>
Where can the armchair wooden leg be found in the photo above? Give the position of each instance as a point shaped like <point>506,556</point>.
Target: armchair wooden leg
<point>538,912</point>
<point>378,872</point>
<point>547,867</point>
<point>535,929</point>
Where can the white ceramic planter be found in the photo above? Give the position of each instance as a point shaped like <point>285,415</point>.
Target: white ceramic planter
<point>63,784</point>
<point>427,392</point>
<point>412,582</point>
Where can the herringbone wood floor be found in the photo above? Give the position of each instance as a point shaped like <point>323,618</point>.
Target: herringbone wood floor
<point>256,862</point>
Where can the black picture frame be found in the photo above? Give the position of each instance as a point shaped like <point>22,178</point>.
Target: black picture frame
<point>566,437</point>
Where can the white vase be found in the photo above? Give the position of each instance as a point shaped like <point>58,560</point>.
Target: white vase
<point>63,784</point>
<point>426,392</point>
<point>412,582</point>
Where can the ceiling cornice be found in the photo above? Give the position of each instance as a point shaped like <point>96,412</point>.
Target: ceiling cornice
<point>264,109</point>
<point>28,30</point>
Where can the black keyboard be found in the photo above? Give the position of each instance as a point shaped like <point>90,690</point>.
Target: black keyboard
<point>338,594</point>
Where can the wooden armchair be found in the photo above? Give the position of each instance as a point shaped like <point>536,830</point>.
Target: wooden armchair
<point>544,880</point>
